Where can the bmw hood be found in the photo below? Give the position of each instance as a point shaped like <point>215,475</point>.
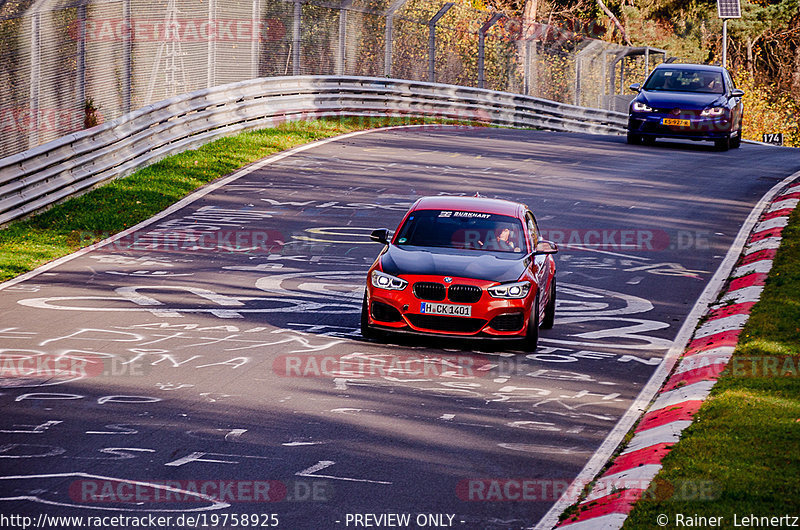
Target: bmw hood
<point>481,265</point>
<point>680,100</point>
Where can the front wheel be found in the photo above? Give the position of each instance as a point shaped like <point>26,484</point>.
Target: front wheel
<point>531,340</point>
<point>735,143</point>
<point>550,308</point>
<point>634,139</point>
<point>367,331</point>
<point>723,144</point>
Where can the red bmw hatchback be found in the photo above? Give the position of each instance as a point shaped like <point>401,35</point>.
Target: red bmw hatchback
<point>465,267</point>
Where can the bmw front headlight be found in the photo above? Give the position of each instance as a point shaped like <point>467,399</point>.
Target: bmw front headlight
<point>510,290</point>
<point>387,281</point>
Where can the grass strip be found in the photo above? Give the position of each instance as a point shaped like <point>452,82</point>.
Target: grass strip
<point>741,456</point>
<point>119,204</point>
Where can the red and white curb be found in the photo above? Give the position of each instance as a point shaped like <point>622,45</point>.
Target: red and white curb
<point>616,491</point>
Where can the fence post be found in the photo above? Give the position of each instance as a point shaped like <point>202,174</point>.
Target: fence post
<point>340,55</point>
<point>526,67</point>
<point>212,43</point>
<point>127,74</point>
<point>36,73</point>
<point>482,46</point>
<point>432,40</point>
<point>298,13</point>
<point>578,65</point>
<point>255,43</point>
<point>389,37</point>
<point>80,62</point>
<point>534,69</point>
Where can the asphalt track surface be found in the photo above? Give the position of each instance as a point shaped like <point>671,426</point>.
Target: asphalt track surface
<point>217,351</point>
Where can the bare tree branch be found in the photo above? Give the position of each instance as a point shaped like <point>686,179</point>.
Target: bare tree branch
<point>616,21</point>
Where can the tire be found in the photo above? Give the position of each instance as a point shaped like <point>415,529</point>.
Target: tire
<point>634,139</point>
<point>367,331</point>
<point>531,340</point>
<point>648,140</point>
<point>723,144</point>
<point>735,143</point>
<point>550,309</point>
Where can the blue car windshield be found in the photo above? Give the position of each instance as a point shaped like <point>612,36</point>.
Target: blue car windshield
<point>678,80</point>
<point>462,230</point>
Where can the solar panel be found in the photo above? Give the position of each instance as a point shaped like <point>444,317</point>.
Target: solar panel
<point>729,9</point>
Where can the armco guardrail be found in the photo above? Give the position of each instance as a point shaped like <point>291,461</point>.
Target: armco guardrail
<point>37,178</point>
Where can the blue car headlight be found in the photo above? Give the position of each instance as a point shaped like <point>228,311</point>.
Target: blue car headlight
<point>713,112</point>
<point>638,106</point>
<point>510,290</point>
<point>387,281</point>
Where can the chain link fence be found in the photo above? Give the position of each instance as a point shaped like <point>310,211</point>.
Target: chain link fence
<point>66,65</point>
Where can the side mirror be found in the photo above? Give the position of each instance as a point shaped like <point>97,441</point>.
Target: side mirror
<point>737,93</point>
<point>636,87</point>
<point>381,235</point>
<point>545,247</point>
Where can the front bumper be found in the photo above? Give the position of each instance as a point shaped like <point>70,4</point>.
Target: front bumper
<point>401,311</point>
<point>699,128</point>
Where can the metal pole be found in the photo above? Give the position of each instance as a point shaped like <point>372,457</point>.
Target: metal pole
<point>80,66</point>
<point>389,37</point>
<point>340,55</point>
<point>482,46</point>
<point>298,12</point>
<point>212,43</point>
<point>255,43</point>
<point>126,58</point>
<point>578,63</point>
<point>481,52</point>
<point>601,103</point>
<point>526,61</point>
<point>432,41</point>
<point>724,42</point>
<point>387,57</point>
<point>36,72</point>
<point>534,66</point>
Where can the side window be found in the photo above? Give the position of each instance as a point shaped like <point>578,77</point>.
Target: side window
<point>533,230</point>
<point>729,81</point>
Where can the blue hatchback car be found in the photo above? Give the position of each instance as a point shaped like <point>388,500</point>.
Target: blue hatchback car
<point>687,101</point>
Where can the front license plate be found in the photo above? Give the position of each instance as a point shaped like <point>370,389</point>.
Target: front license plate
<point>676,122</point>
<point>429,308</point>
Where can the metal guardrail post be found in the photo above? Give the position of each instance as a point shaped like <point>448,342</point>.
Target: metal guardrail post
<point>432,40</point>
<point>482,46</point>
<point>389,37</point>
<point>298,13</point>
<point>340,55</point>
